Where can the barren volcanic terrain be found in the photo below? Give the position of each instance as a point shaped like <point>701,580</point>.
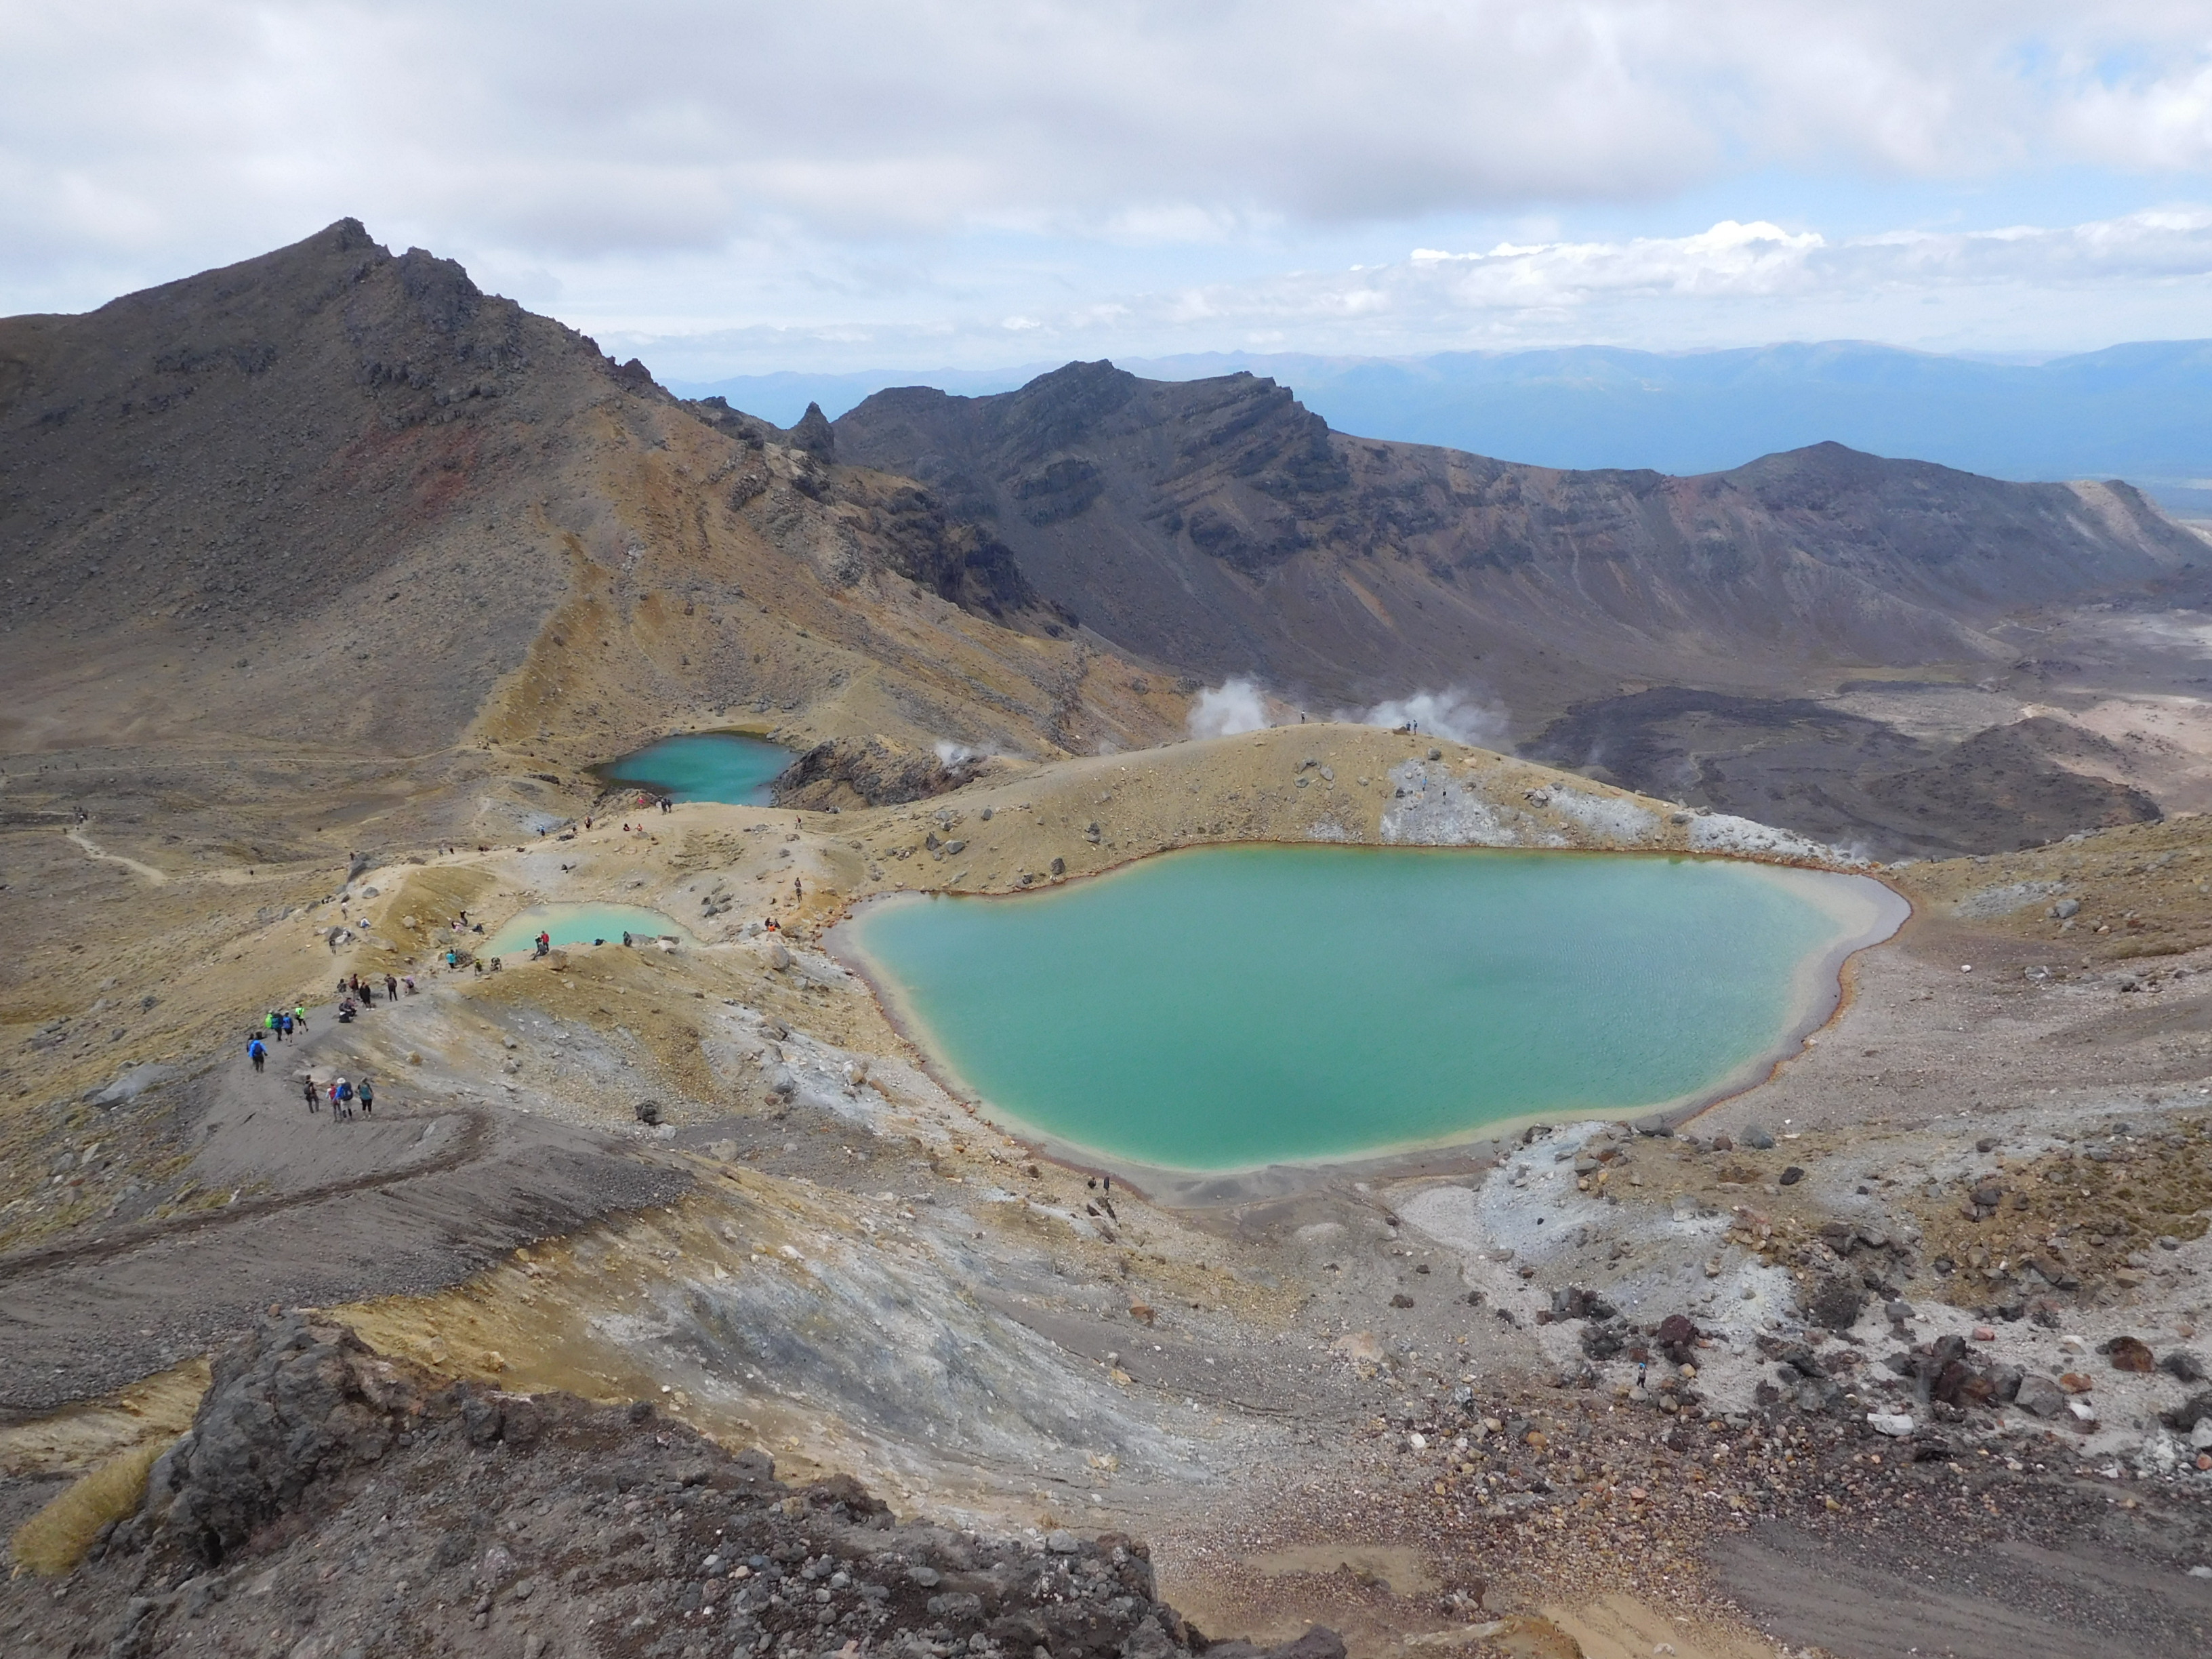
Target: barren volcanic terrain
<point>1699,637</point>
<point>668,1302</point>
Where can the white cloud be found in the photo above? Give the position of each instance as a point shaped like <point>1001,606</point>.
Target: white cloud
<point>676,166</point>
<point>2015,287</point>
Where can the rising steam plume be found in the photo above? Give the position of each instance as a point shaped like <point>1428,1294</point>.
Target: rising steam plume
<point>1239,705</point>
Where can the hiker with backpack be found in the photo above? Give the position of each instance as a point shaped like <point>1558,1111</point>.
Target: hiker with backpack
<point>257,1052</point>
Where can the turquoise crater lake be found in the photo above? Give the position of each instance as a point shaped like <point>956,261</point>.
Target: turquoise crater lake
<point>1227,1008</point>
<point>578,924</point>
<point>711,766</point>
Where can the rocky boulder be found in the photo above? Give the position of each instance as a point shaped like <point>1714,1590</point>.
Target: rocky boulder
<point>297,1402</point>
<point>2040,1397</point>
<point>1836,1303</point>
<point>1676,1337</point>
<point>2130,1354</point>
<point>549,1525</point>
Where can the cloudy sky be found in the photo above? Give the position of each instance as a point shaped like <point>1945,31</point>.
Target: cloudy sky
<point>733,187</point>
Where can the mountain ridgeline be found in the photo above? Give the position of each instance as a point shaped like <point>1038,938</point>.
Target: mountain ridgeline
<point>1219,526</point>
<point>333,527</point>
<point>2141,411</point>
<point>335,495</point>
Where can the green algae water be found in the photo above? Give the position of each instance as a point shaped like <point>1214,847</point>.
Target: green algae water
<point>714,766</point>
<point>1226,1008</point>
<point>578,924</point>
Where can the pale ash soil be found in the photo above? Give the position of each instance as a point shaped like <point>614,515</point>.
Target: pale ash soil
<point>859,1275</point>
<point>863,1276</point>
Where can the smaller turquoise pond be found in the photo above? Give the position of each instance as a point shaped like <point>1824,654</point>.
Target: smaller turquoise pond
<point>578,924</point>
<point>1232,1007</point>
<point>717,766</point>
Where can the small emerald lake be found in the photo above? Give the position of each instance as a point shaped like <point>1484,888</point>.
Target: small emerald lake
<point>578,924</point>
<point>715,766</point>
<point>1227,1008</point>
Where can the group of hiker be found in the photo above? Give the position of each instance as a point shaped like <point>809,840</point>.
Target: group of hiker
<point>342,1095</point>
<point>280,1025</point>
<point>356,994</point>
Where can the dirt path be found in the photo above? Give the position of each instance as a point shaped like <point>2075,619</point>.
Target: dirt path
<point>465,1148</point>
<point>78,1323</point>
<point>158,877</point>
<point>411,1201</point>
<point>1892,1599</point>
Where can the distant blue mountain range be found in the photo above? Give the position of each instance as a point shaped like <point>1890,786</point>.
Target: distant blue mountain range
<point>2141,412</point>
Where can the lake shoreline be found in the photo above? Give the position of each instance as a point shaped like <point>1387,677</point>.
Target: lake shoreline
<point>1820,994</point>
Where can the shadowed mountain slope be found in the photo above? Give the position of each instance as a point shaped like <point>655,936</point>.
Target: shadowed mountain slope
<point>332,495</point>
<point>1220,524</point>
<point>330,553</point>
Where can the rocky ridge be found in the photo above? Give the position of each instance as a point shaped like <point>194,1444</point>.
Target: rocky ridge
<point>1219,526</point>
<point>351,1504</point>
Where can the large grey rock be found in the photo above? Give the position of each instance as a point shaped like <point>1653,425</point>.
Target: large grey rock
<point>133,1083</point>
<point>1758,1139</point>
<point>2040,1397</point>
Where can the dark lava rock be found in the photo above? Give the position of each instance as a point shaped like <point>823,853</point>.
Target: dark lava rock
<point>2188,1414</point>
<point>1836,1303</point>
<point>814,434</point>
<point>297,1402</point>
<point>1575,1302</point>
<point>2183,1365</point>
<point>1601,1341</point>
<point>868,771</point>
<point>1791,1176</point>
<point>2131,1353</point>
<point>310,1451</point>
<point>1676,1337</point>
